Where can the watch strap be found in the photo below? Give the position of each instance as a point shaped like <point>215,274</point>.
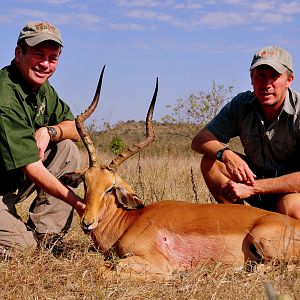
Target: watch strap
<point>52,132</point>
<point>220,152</point>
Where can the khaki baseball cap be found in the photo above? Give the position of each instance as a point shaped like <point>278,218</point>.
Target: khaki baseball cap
<point>37,32</point>
<point>273,56</point>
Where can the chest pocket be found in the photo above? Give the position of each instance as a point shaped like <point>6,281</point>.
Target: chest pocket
<point>249,139</point>
<point>42,120</point>
<point>283,150</point>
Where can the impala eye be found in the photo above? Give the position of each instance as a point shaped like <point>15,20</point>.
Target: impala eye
<point>110,190</point>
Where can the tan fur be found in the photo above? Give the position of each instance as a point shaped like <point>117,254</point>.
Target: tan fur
<point>173,235</point>
<point>178,235</point>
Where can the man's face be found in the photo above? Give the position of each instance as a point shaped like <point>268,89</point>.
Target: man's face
<point>269,86</point>
<point>38,63</point>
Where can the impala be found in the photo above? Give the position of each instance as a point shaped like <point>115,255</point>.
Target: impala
<point>173,235</point>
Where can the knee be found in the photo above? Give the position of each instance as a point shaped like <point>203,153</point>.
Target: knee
<point>69,150</point>
<point>62,158</point>
<point>295,213</point>
<point>212,168</point>
<point>290,205</point>
<point>206,165</point>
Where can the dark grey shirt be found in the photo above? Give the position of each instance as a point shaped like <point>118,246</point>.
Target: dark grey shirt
<point>270,149</point>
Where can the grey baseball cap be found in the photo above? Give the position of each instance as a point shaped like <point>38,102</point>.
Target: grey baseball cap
<point>273,56</point>
<point>36,32</point>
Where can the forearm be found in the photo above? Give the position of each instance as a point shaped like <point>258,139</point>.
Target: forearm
<point>38,174</point>
<point>66,130</point>
<point>285,184</point>
<point>206,143</point>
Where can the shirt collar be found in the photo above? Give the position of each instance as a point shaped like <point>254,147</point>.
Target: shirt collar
<point>289,105</point>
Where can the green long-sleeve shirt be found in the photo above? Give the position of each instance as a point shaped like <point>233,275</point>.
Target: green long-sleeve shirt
<point>22,112</point>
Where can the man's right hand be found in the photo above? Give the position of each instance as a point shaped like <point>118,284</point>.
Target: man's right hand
<point>237,168</point>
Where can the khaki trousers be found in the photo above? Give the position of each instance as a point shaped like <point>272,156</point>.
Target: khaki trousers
<point>46,214</point>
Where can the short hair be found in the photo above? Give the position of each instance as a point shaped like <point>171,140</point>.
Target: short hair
<point>288,72</point>
<point>23,45</point>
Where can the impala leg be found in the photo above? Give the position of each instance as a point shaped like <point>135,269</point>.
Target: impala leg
<point>276,238</point>
<point>137,264</point>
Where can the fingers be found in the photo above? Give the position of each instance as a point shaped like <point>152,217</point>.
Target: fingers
<point>246,176</point>
<point>240,171</point>
<point>251,177</point>
<point>234,191</point>
<point>228,192</point>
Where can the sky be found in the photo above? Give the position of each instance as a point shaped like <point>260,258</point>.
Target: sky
<point>187,44</point>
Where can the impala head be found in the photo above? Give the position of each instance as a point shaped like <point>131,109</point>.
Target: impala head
<point>102,181</point>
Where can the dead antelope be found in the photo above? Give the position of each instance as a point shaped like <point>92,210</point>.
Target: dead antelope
<point>173,235</point>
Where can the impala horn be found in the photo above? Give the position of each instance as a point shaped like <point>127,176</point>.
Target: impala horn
<point>121,157</point>
<point>84,134</point>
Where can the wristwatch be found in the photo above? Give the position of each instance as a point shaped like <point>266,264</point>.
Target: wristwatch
<point>220,152</point>
<point>52,132</point>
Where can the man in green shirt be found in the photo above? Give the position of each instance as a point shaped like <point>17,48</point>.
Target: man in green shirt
<point>268,124</point>
<point>37,131</point>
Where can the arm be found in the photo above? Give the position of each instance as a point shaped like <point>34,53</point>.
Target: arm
<point>65,130</point>
<point>208,145</point>
<point>285,184</point>
<point>51,185</point>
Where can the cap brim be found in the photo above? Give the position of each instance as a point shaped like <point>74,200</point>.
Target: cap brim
<point>34,40</point>
<point>275,65</point>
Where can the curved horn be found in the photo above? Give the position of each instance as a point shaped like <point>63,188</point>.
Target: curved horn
<point>121,157</point>
<point>85,136</point>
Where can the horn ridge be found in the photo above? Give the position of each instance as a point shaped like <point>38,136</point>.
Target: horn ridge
<point>84,134</point>
<point>131,150</point>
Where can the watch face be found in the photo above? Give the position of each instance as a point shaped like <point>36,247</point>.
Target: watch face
<point>52,132</point>
<point>219,154</point>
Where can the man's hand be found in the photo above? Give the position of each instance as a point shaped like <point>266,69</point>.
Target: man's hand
<point>237,168</point>
<point>42,138</point>
<point>80,207</point>
<point>235,191</point>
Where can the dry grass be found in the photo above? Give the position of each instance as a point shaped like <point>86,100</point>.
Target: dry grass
<point>80,273</point>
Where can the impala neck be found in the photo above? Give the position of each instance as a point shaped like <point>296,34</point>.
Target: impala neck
<point>114,223</point>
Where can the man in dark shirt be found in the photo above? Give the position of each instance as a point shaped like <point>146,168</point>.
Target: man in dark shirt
<point>268,124</point>
<point>37,131</point>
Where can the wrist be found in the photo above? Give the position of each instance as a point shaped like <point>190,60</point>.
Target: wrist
<point>219,153</point>
<point>55,133</point>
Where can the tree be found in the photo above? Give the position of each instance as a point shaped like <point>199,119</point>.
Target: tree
<point>116,145</point>
<point>193,113</point>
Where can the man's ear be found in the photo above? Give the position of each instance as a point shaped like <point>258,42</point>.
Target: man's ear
<point>72,179</point>
<point>18,53</point>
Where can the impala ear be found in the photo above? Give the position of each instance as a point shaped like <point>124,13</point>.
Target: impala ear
<point>128,200</point>
<point>72,179</point>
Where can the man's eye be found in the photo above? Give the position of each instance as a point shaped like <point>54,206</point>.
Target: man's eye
<point>39,56</point>
<point>53,59</point>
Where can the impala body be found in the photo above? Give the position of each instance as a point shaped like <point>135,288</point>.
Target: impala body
<point>173,235</point>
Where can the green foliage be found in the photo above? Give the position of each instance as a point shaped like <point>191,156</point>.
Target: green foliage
<point>198,109</point>
<point>116,145</point>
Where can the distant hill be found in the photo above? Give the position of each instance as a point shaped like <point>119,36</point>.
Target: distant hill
<point>169,138</point>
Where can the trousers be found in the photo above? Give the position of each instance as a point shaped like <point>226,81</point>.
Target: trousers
<point>47,214</point>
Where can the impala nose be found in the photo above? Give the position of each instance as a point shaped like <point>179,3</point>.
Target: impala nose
<point>86,227</point>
